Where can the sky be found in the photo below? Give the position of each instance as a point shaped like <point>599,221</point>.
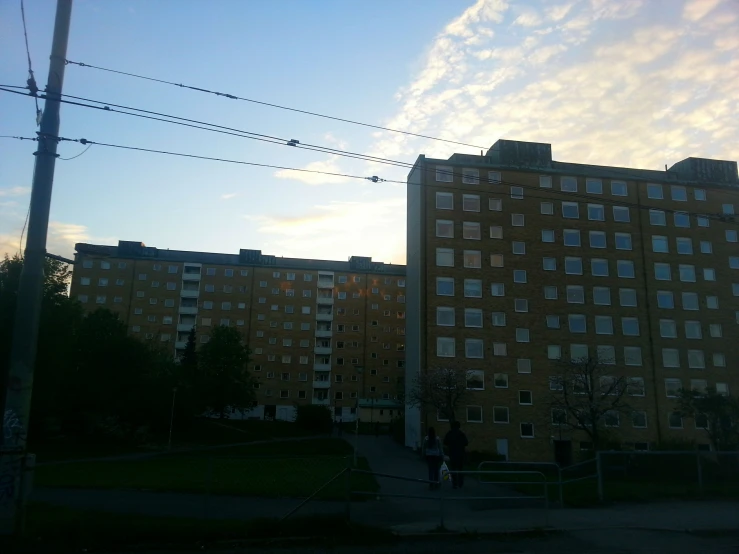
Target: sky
<point>634,83</point>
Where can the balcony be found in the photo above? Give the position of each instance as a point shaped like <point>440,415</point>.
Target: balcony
<point>322,384</point>
<point>325,283</point>
<point>323,350</point>
<point>327,300</point>
<point>180,345</point>
<point>325,317</point>
<point>191,311</point>
<point>319,367</point>
<point>189,293</point>
<point>185,327</point>
<point>323,334</point>
<point>191,276</point>
<point>321,401</point>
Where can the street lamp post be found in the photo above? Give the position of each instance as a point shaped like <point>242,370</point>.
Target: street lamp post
<point>171,418</point>
<point>359,369</point>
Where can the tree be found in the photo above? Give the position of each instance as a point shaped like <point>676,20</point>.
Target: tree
<point>586,396</point>
<point>224,381</point>
<point>716,413</point>
<point>444,390</point>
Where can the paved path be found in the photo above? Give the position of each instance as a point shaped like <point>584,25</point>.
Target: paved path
<point>418,514</point>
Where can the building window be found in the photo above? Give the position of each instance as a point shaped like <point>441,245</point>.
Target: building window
<point>494,177</point>
<point>525,398</point>
<point>618,188</point>
<point>545,181</point>
<point>444,201</point>
<point>603,325</point>
<point>519,275</point>
<point>445,286</point>
<point>517,193</point>
<point>654,191</point>
<point>550,292</point>
<point>472,317</point>
<point>500,380</point>
<point>732,235</point>
<point>606,354</point>
<point>665,299</point>
<point>518,247</point>
<point>573,266</point>
<point>601,296</point>
<point>656,217</point>
<point>499,319</point>
<point>500,349</point>
<point>570,210</point>
<point>473,288</point>
<point>599,267</point>
<point>675,420</point>
<point>575,294</point>
<point>696,359</point>
<point>553,322</point>
<point>445,228</point>
<point>445,347</point>
<point>681,219</point>
<point>517,220</point>
<point>445,317</point>
<point>500,414</point>
<point>571,237</point>
<point>497,289</point>
<point>445,257</point>
<point>469,176</point>
<point>594,186</point>
<point>660,244</point>
<point>597,239</point>
<point>678,193</point>
<point>547,235</point>
<point>627,297</point>
<point>684,245</point>
<point>554,352</point>
<point>471,230</point>
<point>527,430</point>
<point>662,272</point>
<point>523,365</point>
<point>568,184</point>
<point>670,357</point>
<point>547,208</point>
<point>630,326</point>
<point>596,212</point>
<point>474,414</point>
<point>475,379</point>
<point>495,205</point>
<point>522,335</point>
<point>470,203</point>
<point>687,273</point>
<point>550,264</point>
<point>577,323</point>
<point>496,260</point>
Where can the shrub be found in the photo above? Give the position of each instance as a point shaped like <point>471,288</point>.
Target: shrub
<point>315,419</point>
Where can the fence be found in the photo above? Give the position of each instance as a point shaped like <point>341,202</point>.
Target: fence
<point>645,475</point>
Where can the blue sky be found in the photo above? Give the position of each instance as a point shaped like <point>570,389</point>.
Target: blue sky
<point>638,83</point>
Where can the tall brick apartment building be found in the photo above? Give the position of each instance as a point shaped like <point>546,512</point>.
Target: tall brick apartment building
<point>321,332</point>
<point>514,259</point>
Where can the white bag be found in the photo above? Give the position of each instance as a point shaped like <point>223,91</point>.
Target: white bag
<point>444,472</point>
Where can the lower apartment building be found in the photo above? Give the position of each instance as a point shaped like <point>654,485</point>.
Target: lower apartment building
<point>321,332</point>
<point>516,261</point>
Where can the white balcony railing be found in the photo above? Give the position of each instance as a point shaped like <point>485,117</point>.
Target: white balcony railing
<point>184,293</point>
<point>321,367</point>
<point>191,276</point>
<point>188,310</point>
<point>180,344</point>
<point>322,350</point>
<point>185,326</point>
<point>321,334</point>
<point>328,300</point>
<point>324,317</point>
<point>322,384</point>
<point>321,401</point>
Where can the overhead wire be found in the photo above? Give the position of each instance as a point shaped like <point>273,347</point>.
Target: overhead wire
<point>31,82</point>
<point>271,105</point>
<point>716,217</point>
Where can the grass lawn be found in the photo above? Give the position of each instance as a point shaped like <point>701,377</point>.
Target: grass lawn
<point>51,526</point>
<point>202,432</point>
<point>295,469</point>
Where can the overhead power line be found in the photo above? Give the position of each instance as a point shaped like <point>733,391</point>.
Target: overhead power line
<point>90,143</point>
<point>271,105</point>
<point>375,179</point>
<point>31,82</point>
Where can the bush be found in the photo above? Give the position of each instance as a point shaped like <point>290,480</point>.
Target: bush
<point>316,419</point>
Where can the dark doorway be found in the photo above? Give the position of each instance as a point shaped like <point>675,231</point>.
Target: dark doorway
<point>270,411</point>
<point>563,453</point>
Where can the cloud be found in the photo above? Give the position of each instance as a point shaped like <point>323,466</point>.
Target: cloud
<point>229,195</point>
<point>698,9</point>
<point>330,165</point>
<point>14,191</point>
<point>375,228</point>
<point>60,239</point>
<point>528,18</point>
<point>613,82</point>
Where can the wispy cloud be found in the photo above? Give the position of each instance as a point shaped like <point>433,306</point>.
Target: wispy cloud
<point>353,228</point>
<point>331,165</point>
<point>60,239</point>
<point>229,195</point>
<point>14,191</point>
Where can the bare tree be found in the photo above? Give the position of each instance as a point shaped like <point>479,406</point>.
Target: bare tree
<point>443,389</point>
<point>716,413</point>
<point>586,396</point>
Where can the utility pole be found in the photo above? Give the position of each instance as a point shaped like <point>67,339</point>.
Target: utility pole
<point>17,406</point>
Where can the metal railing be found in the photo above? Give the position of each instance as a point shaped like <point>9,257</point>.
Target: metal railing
<point>441,497</point>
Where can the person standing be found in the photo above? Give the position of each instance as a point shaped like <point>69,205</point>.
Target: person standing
<point>456,443</point>
<point>434,454</point>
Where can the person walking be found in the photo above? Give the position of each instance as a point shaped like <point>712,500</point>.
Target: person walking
<point>456,443</point>
<point>434,454</point>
